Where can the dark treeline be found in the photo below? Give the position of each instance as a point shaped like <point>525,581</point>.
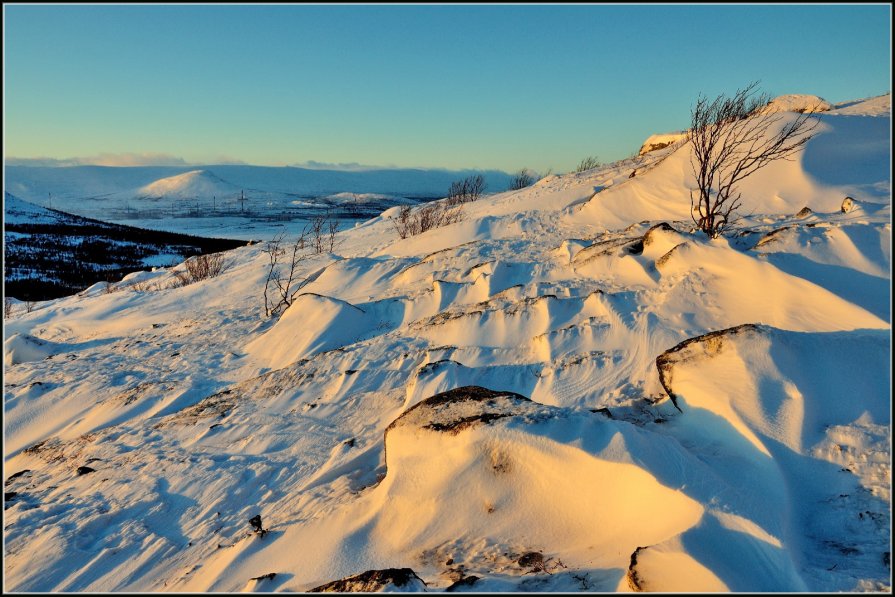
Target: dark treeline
<point>47,261</point>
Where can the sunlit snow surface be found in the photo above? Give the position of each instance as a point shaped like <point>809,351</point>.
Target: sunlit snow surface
<point>770,471</point>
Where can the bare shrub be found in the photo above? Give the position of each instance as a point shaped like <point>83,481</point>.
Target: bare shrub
<point>7,307</point>
<point>523,178</point>
<point>732,139</point>
<point>588,163</point>
<point>466,190</point>
<point>109,288</point>
<point>283,282</point>
<point>320,234</point>
<point>200,267</point>
<point>411,222</point>
<point>144,286</point>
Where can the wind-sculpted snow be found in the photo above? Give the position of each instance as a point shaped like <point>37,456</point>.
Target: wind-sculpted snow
<point>812,426</point>
<point>487,405</point>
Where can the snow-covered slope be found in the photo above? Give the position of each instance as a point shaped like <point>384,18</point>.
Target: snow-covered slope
<point>567,390</point>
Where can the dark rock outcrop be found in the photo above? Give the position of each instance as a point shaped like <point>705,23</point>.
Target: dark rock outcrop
<point>633,577</point>
<point>461,408</point>
<point>466,581</point>
<point>374,581</point>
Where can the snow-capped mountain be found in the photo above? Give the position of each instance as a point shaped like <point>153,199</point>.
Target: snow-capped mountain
<point>568,389</point>
<point>189,185</point>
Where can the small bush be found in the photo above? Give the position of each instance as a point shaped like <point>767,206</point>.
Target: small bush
<point>588,163</point>
<point>411,222</point>
<point>200,267</point>
<point>523,178</point>
<point>466,190</point>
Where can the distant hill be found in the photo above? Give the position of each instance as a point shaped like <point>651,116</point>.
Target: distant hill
<point>189,185</point>
<point>68,187</point>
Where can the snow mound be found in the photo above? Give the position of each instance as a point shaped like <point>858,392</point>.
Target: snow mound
<point>22,348</point>
<point>189,185</point>
<point>880,105</point>
<point>797,102</point>
<point>313,323</point>
<point>465,466</point>
<point>787,399</point>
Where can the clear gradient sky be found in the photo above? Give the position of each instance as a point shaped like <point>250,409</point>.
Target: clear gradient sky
<point>417,86</point>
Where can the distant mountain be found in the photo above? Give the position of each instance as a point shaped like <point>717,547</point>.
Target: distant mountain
<point>189,185</point>
<point>66,187</point>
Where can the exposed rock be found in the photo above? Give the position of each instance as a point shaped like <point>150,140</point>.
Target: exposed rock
<point>710,344</point>
<point>661,141</point>
<point>615,246</point>
<point>466,581</point>
<point>268,576</point>
<point>374,581</point>
<point>805,211</point>
<point>461,408</point>
<point>848,205</point>
<point>532,559</point>
<point>650,235</point>
<point>634,580</point>
<point>255,521</point>
<point>770,236</point>
<point>664,258</point>
<point>83,470</point>
<point>17,475</point>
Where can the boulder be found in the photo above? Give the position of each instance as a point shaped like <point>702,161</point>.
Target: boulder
<point>373,581</point>
<point>848,205</point>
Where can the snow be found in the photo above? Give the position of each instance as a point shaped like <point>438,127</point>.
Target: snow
<point>880,105</point>
<point>567,390</point>
<point>189,185</point>
<point>798,103</point>
<point>16,211</point>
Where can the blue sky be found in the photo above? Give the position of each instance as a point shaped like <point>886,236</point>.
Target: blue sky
<point>495,86</point>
